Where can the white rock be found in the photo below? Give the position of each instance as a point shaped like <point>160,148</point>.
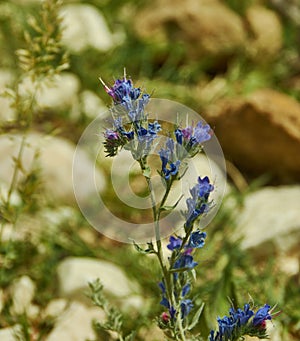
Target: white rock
<point>22,292</point>
<point>91,104</point>
<point>271,214</point>
<point>288,265</point>
<point>56,162</point>
<point>84,26</point>
<point>8,334</point>
<point>59,94</point>
<point>55,307</point>
<point>75,273</point>
<point>75,324</point>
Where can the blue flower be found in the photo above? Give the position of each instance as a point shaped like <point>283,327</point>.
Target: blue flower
<point>240,323</point>
<point>191,138</point>
<point>202,132</point>
<point>185,262</point>
<point>165,302</point>
<point>172,170</point>
<point>197,240</point>
<point>164,156</point>
<point>242,316</point>
<point>198,203</point>
<point>179,136</point>
<point>154,128</point>
<point>162,287</point>
<point>186,289</point>
<point>174,244</point>
<point>185,307</point>
<point>123,91</point>
<point>262,315</point>
<point>204,187</point>
<point>172,311</point>
<point>169,167</point>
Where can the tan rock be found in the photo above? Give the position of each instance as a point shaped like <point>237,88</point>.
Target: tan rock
<point>205,26</point>
<point>56,162</point>
<point>75,323</point>
<point>266,32</point>
<point>260,133</point>
<point>8,334</point>
<point>22,293</point>
<point>270,220</point>
<point>74,274</point>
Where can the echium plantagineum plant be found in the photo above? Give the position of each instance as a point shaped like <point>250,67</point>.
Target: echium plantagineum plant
<point>138,134</point>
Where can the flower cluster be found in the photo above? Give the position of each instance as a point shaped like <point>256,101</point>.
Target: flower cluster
<point>137,133</point>
<point>132,130</point>
<point>169,163</point>
<point>190,139</point>
<point>199,202</point>
<point>181,260</point>
<point>242,322</point>
<point>188,143</point>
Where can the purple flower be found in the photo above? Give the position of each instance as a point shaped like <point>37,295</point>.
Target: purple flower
<point>197,240</point>
<point>111,134</point>
<point>123,91</point>
<point>262,315</point>
<point>174,244</point>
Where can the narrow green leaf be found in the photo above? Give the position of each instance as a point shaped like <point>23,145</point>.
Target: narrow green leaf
<point>147,172</point>
<point>147,251</point>
<point>196,317</point>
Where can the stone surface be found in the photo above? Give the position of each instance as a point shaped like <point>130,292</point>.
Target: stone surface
<point>204,26</point>
<point>271,216</point>
<point>266,33</point>
<point>55,308</point>
<point>75,324</point>
<point>22,292</point>
<point>84,26</point>
<point>92,106</point>
<point>56,162</point>
<point>59,94</point>
<point>260,133</point>
<point>7,334</point>
<point>74,273</point>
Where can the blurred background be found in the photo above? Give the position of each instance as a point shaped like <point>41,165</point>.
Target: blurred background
<point>237,63</point>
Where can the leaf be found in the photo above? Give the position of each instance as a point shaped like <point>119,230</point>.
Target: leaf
<point>147,251</point>
<point>147,172</point>
<point>196,317</point>
<point>131,336</point>
<point>170,208</point>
